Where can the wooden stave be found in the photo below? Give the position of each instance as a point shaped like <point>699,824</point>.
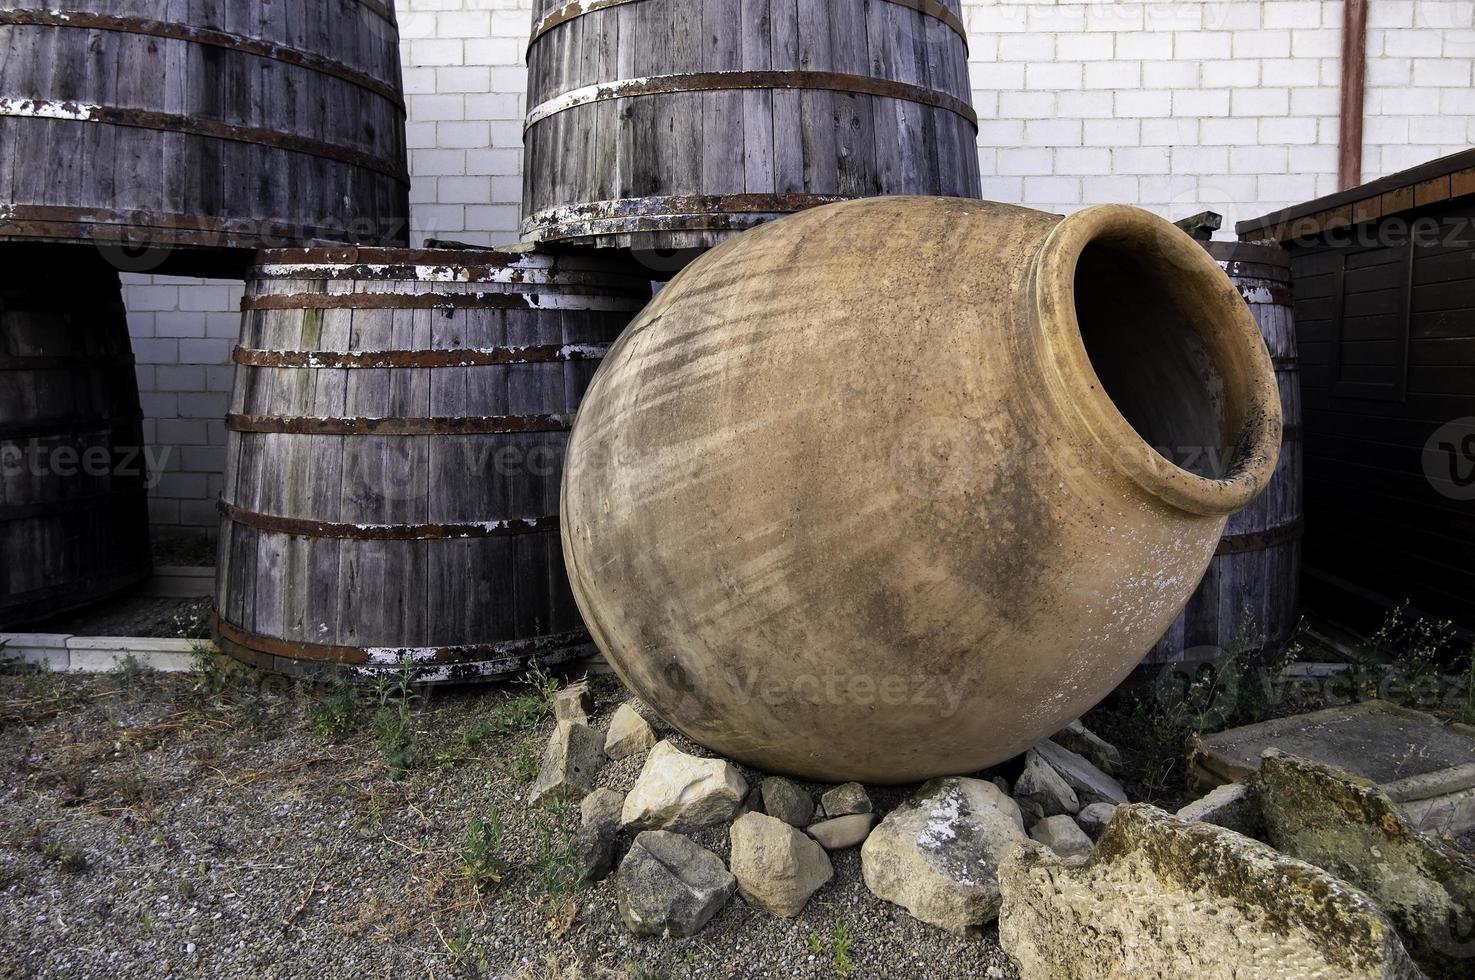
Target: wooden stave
<point>1201,632</point>
<point>166,211</point>
<point>69,540</point>
<point>640,198</point>
<point>469,565</point>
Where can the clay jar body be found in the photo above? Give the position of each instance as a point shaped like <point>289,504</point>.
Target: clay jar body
<point>871,493</point>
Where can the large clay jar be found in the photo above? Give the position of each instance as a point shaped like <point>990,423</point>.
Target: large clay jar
<point>893,488</point>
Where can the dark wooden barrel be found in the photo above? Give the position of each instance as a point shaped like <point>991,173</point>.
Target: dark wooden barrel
<point>1248,599</point>
<point>394,453</point>
<point>73,509</point>
<point>224,123</point>
<point>665,124</point>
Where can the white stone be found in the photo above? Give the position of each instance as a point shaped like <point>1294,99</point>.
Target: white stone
<point>682,793</point>
<point>777,867</point>
<point>938,854</point>
<point>629,734</point>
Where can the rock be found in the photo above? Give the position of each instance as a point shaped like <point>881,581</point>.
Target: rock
<point>601,807</point>
<point>1091,785</point>
<point>787,800</point>
<point>573,703</point>
<point>573,757</point>
<point>629,734</point>
<point>1003,785</point>
<point>1094,818</point>
<point>1088,745</point>
<point>1171,899</point>
<point>937,855</point>
<point>753,802</point>
<point>669,886</point>
<point>1348,826</point>
<point>1235,806</point>
<point>598,836</point>
<point>593,851</point>
<point>1064,836</point>
<point>838,833</point>
<point>682,793</point>
<point>777,867</point>
<point>1042,792</point>
<point>844,800</point>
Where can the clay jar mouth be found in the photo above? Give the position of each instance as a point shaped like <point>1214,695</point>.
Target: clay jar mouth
<point>1159,358</point>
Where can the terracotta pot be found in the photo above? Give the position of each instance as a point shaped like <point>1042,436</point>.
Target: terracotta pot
<point>871,492</point>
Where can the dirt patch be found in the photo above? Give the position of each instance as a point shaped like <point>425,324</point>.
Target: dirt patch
<point>226,824</point>
<point>134,615</point>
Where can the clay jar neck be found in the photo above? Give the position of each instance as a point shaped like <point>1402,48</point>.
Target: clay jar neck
<point>1152,355</point>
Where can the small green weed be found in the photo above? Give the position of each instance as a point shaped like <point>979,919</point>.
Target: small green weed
<point>554,868</point>
<point>391,723</point>
<point>482,863</point>
<point>841,945</point>
<point>336,715</point>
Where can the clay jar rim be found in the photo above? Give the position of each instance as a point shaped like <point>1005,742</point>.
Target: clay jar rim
<point>1225,326</point>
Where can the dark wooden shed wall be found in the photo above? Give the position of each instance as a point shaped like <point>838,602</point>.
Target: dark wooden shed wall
<point>1386,313</point>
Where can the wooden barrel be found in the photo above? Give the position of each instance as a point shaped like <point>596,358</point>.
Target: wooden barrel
<point>394,452</point>
<point>1248,599</point>
<point>223,123</point>
<point>73,510</point>
<point>664,124</point>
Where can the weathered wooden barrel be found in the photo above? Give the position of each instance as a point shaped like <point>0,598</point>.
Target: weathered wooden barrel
<point>223,123</point>
<point>395,446</point>
<point>73,510</point>
<point>665,124</point>
<point>1248,599</point>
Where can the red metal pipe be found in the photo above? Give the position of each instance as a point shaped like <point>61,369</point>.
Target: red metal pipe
<point>1354,78</point>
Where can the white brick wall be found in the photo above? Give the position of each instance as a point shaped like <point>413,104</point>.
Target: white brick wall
<point>1174,106</point>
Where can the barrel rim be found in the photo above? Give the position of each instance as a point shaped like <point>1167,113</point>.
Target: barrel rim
<point>787,79</point>
<point>575,9</point>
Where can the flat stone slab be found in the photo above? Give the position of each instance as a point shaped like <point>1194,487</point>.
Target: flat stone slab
<point>1422,764</point>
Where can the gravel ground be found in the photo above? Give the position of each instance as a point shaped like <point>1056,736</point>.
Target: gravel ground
<point>226,824</point>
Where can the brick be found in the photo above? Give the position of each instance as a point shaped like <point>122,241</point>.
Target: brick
<point>1113,75</point>
<point>1119,189</point>
<point>1027,105</point>
<point>1145,104</point>
<point>1260,102</point>
<point>1170,132</point>
<point>156,351</point>
<point>181,432</point>
<point>1027,47</point>
<point>1259,160</point>
<point>1262,44</point>
<point>1145,46</point>
<point>1083,161</point>
<point>1058,75</point>
<point>1085,47</point>
<point>1292,13</point>
<point>1052,191</point>
<point>1170,74</point>
<point>1200,45</point>
<point>1052,132</point>
<point>209,351</point>
<point>1086,105</point>
<point>176,378</point>
<point>1440,72</point>
<point>1024,162</point>
<point>1228,132</point>
<point>1141,160</point>
<point>1202,103</point>
<point>1113,132</point>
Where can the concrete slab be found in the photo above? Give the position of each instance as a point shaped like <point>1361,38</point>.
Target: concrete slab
<point>1424,765</point>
